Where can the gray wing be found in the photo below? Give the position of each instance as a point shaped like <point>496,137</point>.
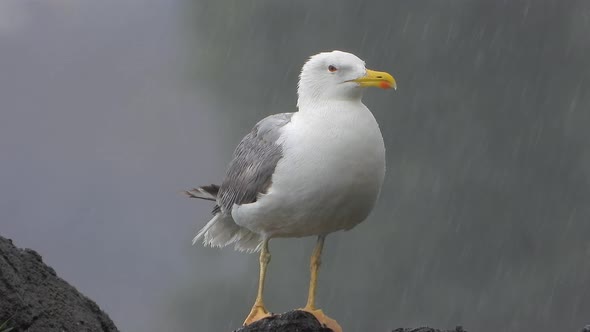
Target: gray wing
<point>250,172</point>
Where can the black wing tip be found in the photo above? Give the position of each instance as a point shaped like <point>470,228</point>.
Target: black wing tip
<point>190,194</point>
<point>205,192</point>
<point>212,189</point>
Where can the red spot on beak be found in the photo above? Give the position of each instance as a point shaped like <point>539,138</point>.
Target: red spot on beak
<point>385,85</point>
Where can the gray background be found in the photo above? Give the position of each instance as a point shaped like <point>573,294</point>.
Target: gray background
<point>110,108</point>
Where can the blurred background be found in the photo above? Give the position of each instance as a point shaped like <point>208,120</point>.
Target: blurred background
<point>110,108</point>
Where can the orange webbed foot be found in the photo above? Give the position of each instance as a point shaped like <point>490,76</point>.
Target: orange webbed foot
<point>257,313</point>
<point>323,319</point>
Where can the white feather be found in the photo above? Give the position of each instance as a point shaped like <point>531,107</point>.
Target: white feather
<point>221,231</point>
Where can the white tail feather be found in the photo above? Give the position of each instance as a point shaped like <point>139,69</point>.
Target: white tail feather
<point>222,231</point>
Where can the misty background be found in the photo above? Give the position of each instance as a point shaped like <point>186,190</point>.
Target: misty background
<point>110,108</point>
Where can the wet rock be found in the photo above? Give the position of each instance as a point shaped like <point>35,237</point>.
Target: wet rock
<point>292,321</point>
<point>34,299</point>
<point>301,321</point>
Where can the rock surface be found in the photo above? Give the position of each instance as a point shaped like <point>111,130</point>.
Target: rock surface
<point>301,321</point>
<point>34,299</point>
<point>292,321</point>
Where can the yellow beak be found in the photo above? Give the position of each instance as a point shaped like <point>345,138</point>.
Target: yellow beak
<point>379,79</point>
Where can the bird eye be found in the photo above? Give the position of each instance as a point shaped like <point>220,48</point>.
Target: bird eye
<point>332,68</point>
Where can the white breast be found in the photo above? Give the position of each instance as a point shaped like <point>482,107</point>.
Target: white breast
<point>329,178</point>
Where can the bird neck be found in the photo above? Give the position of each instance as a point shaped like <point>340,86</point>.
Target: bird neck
<point>327,107</point>
<point>314,99</point>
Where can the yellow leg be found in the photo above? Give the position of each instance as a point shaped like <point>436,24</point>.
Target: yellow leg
<point>310,306</point>
<point>258,310</point>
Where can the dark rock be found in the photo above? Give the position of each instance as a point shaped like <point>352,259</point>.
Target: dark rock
<point>292,321</point>
<point>34,299</point>
<point>301,321</point>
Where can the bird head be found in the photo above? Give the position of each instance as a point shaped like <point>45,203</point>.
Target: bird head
<point>338,75</point>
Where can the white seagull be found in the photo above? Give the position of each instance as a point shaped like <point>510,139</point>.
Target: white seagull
<point>307,173</point>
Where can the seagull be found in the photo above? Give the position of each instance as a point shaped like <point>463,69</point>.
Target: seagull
<point>309,173</point>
